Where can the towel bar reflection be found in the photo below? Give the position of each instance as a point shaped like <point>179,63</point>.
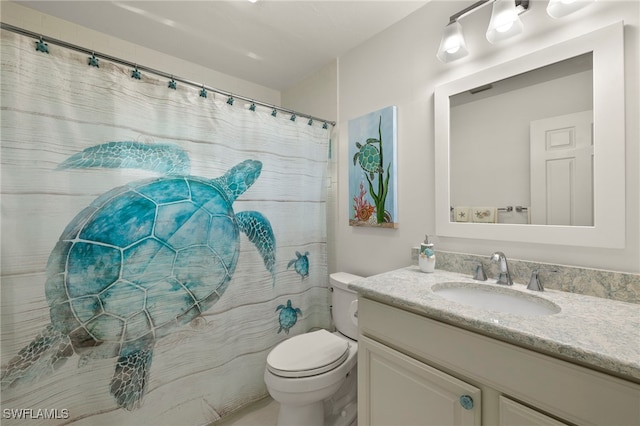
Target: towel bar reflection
<point>519,209</point>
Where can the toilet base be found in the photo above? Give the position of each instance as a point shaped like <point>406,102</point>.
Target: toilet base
<point>348,416</point>
<point>340,409</point>
<point>296,415</point>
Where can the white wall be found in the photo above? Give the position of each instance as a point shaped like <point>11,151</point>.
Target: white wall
<point>316,95</point>
<point>399,67</point>
<point>47,25</point>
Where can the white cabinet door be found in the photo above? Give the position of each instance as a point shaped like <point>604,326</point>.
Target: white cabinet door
<point>397,390</point>
<point>513,413</point>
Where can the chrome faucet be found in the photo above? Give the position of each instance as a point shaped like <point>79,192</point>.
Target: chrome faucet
<point>504,275</point>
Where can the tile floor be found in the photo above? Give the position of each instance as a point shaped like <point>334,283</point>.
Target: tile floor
<point>260,413</point>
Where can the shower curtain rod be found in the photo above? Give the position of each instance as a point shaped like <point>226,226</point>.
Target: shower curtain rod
<point>139,67</point>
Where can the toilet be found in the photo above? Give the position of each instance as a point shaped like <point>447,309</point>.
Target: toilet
<point>314,375</point>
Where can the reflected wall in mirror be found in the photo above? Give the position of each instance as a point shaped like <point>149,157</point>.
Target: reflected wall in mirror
<point>526,141</point>
<point>545,131</point>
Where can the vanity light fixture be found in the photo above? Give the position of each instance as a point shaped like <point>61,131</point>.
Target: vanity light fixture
<point>559,8</point>
<point>504,23</point>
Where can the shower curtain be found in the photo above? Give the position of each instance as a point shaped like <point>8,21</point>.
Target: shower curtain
<point>157,240</point>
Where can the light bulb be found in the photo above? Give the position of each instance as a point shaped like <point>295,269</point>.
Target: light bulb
<point>453,50</point>
<point>504,22</point>
<point>504,27</point>
<point>560,8</point>
<point>452,45</point>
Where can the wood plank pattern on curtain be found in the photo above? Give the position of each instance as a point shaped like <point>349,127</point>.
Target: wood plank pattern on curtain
<point>55,106</point>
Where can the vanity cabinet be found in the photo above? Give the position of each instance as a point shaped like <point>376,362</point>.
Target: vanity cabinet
<point>400,390</point>
<point>413,370</point>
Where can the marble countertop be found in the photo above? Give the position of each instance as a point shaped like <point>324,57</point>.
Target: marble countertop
<point>594,332</point>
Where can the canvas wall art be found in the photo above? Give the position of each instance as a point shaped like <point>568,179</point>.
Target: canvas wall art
<point>372,169</point>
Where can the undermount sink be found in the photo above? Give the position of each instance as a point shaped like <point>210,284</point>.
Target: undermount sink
<point>496,299</point>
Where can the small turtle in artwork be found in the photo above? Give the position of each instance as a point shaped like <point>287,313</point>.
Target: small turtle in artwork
<point>140,261</point>
<point>288,316</point>
<point>369,157</point>
<point>300,264</point>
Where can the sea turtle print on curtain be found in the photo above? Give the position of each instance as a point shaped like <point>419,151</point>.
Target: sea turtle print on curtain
<point>300,264</point>
<point>288,316</point>
<point>123,273</point>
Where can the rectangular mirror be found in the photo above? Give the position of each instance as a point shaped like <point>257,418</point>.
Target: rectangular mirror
<point>526,141</point>
<point>532,150</point>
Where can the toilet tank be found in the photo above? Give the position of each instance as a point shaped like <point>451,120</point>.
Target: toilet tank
<point>344,311</point>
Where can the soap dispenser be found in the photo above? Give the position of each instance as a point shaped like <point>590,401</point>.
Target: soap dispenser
<point>427,257</point>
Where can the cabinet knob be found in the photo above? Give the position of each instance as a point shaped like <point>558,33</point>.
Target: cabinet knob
<point>466,401</point>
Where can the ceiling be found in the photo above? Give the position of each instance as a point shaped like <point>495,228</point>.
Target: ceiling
<point>273,43</point>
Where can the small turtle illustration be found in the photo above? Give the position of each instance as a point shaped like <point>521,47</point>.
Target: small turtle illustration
<point>140,261</point>
<point>288,316</point>
<point>301,264</point>
<point>369,157</point>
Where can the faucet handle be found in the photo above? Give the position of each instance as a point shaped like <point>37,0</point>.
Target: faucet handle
<point>534,281</point>
<point>478,273</point>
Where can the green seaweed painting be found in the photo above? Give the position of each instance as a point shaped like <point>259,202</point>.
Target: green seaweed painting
<point>373,162</point>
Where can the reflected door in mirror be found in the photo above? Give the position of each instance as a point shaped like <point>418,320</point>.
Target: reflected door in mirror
<point>562,170</point>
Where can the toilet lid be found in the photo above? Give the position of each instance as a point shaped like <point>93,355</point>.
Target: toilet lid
<point>308,354</point>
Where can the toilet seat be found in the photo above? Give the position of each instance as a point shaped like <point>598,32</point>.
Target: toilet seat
<point>308,355</point>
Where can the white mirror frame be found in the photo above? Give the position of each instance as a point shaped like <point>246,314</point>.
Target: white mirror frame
<point>607,45</point>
